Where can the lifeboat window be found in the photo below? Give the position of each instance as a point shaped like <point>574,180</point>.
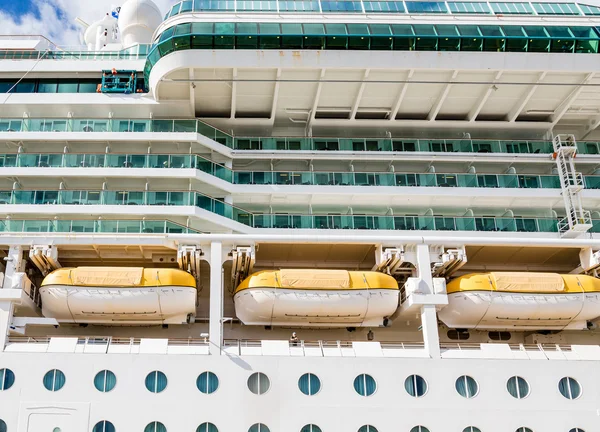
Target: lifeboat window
<point>458,335</point>
<point>105,381</point>
<point>207,427</point>
<point>104,426</point>
<point>259,383</point>
<point>258,427</point>
<point>415,385</point>
<point>499,336</point>
<point>155,427</point>
<point>309,384</point>
<point>569,388</point>
<point>207,382</point>
<point>156,381</point>
<point>3,427</point>
<point>466,387</point>
<point>54,380</point>
<point>517,387</point>
<point>471,429</point>
<point>365,385</point>
<point>367,428</point>
<point>310,428</point>
<point>7,379</point>
<point>523,429</point>
<point>419,429</point>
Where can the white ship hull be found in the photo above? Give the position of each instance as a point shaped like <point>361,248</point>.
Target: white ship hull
<point>514,311</point>
<point>315,308</point>
<point>100,305</point>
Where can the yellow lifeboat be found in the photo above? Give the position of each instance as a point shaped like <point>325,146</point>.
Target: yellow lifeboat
<point>316,298</point>
<point>119,295</point>
<point>522,301</point>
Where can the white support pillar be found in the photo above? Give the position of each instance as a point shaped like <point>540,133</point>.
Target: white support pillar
<point>215,328</point>
<point>14,264</point>
<point>6,316</point>
<point>429,327</point>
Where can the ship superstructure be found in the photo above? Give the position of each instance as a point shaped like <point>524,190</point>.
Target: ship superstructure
<point>362,216</point>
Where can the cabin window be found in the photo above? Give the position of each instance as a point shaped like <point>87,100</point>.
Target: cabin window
<point>458,335</point>
<point>259,383</point>
<point>419,429</point>
<point>105,381</point>
<point>156,381</point>
<point>523,429</point>
<point>207,382</point>
<point>104,426</point>
<point>7,379</point>
<point>569,388</point>
<point>471,429</point>
<point>3,427</point>
<point>54,380</point>
<point>576,430</point>
<point>155,427</point>
<point>517,387</point>
<point>207,427</point>
<point>415,385</point>
<point>499,336</point>
<point>466,387</point>
<point>310,428</point>
<point>367,428</point>
<point>309,384</point>
<point>258,427</point>
<point>365,385</point>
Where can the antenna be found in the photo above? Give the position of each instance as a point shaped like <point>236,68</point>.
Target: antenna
<point>82,23</point>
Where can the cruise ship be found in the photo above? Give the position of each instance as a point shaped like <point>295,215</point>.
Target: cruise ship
<point>303,216</point>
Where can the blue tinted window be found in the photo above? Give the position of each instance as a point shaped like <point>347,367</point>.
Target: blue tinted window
<point>207,427</point>
<point>214,5</point>
<point>512,8</point>
<point>54,380</point>
<point>156,381</point>
<point>365,385</point>
<point>556,9</point>
<point>3,427</point>
<point>590,10</point>
<point>469,7</point>
<point>105,381</point>
<point>341,6</point>
<point>207,382</point>
<point>7,379</point>
<point>256,5</point>
<point>298,5</point>
<point>426,7</point>
<point>309,384</point>
<point>155,427</point>
<point>104,426</point>
<point>384,6</point>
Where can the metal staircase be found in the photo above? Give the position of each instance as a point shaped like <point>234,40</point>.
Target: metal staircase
<point>578,220</point>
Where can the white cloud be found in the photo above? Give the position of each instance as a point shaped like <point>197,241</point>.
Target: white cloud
<point>56,18</point>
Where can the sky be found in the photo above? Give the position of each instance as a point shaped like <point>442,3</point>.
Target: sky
<point>55,19</point>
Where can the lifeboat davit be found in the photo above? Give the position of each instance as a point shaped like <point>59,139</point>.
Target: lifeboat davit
<point>119,295</point>
<point>522,301</point>
<point>316,298</point>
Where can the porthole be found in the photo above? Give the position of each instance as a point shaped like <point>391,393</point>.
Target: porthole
<point>576,430</point>
<point>365,385</point>
<point>499,336</point>
<point>54,380</point>
<point>310,428</point>
<point>207,382</point>
<point>259,383</point>
<point>7,379</point>
<point>309,384</point>
<point>419,429</point>
<point>258,427</point>
<point>3,427</point>
<point>466,386</point>
<point>156,381</point>
<point>569,388</point>
<point>104,426</point>
<point>523,429</point>
<point>517,387</point>
<point>367,428</point>
<point>207,427</point>
<point>105,381</point>
<point>415,385</point>
<point>155,427</point>
<point>458,335</point>
<point>471,429</point>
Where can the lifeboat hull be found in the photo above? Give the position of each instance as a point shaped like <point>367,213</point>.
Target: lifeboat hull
<point>520,311</point>
<point>315,307</point>
<point>119,306</point>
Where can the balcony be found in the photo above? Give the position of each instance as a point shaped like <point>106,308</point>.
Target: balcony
<point>94,226</point>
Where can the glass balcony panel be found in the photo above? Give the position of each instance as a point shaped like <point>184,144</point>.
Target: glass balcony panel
<point>485,224</point>
<point>8,160</point>
<point>465,224</point>
<point>528,182</point>
<point>592,182</point>
<point>550,182</point>
<point>78,226</point>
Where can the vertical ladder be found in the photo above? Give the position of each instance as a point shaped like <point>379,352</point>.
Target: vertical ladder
<point>578,220</point>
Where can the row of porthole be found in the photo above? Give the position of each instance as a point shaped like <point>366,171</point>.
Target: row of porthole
<point>309,384</point>
<point>156,426</point>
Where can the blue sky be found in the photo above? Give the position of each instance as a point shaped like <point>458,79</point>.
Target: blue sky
<point>17,8</point>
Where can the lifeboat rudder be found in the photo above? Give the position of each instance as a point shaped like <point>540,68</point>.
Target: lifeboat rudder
<point>316,298</point>
<point>119,295</point>
<point>522,301</point>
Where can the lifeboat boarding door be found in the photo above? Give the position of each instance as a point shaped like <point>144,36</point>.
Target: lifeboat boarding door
<point>53,417</point>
